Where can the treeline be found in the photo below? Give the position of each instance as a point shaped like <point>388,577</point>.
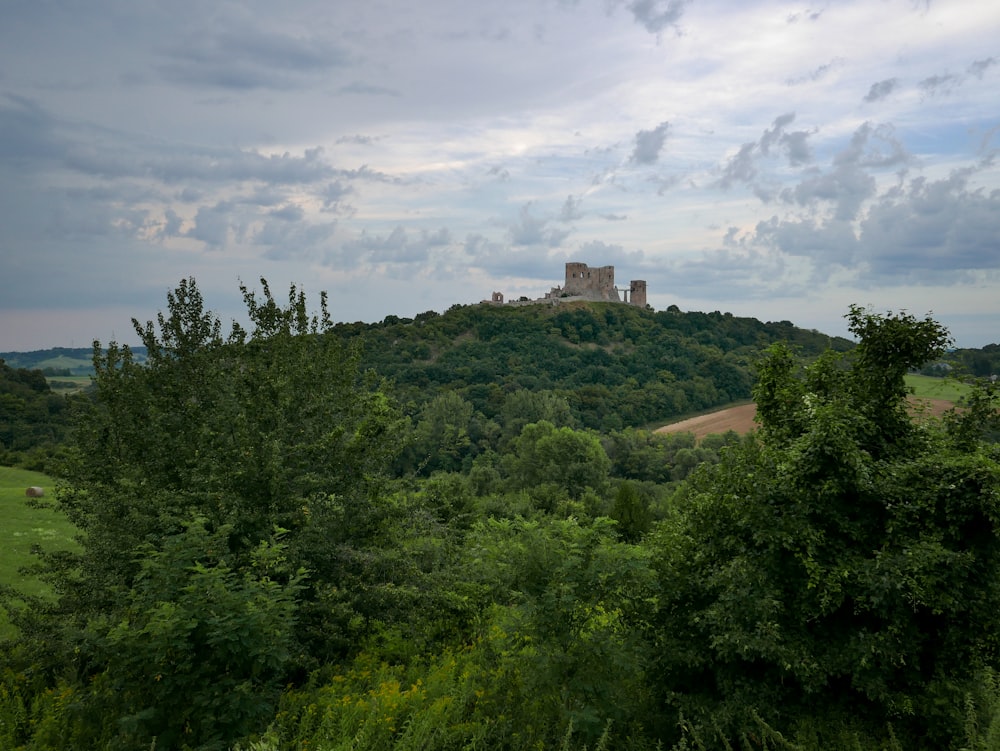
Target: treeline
<point>470,378</point>
<point>33,421</point>
<point>256,574</point>
<point>615,364</point>
<point>981,363</point>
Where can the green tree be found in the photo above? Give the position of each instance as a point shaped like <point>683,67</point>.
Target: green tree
<point>198,652</point>
<point>571,460</point>
<point>523,407</point>
<point>441,437</point>
<point>843,565</point>
<point>275,428</point>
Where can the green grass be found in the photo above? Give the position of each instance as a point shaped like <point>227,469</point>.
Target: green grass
<point>23,526</point>
<point>68,384</point>
<point>928,387</point>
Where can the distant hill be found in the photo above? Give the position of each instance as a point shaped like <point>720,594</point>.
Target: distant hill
<point>59,360</point>
<point>617,365</point>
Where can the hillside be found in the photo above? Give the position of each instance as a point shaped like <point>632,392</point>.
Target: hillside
<point>615,364</point>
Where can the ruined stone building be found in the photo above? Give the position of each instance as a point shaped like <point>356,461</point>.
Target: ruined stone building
<point>585,283</point>
<point>598,284</point>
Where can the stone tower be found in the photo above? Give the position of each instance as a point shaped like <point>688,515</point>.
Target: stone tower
<point>637,292</point>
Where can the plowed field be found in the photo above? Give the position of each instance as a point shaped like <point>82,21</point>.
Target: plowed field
<point>740,419</point>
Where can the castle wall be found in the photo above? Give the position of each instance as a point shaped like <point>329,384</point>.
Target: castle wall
<point>594,284</point>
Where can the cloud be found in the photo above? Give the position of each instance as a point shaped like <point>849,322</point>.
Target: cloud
<point>925,232</point>
<point>498,259</point>
<point>241,58</point>
<point>742,167</point>
<point>212,224</point>
<point>288,213</point>
<point>649,144</point>
<point>874,146</point>
<point>939,84</point>
<point>532,230</point>
<point>931,231</point>
<point>358,139</point>
<point>846,184</point>
<point>657,15</point>
<point>881,89</point>
<point>818,73</point>
<point>846,187</point>
<point>807,15</point>
<point>570,210</point>
<point>979,67</point>
<point>368,89</point>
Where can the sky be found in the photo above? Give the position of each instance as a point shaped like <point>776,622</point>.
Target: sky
<point>779,160</point>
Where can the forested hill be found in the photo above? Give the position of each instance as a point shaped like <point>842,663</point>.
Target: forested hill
<point>615,364</point>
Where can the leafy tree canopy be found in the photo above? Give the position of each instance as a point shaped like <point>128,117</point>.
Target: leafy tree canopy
<point>842,565</point>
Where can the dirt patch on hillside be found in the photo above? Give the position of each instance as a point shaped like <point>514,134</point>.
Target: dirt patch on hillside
<point>741,419</point>
<point>738,418</point>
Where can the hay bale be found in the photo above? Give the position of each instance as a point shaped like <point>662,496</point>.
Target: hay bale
<point>34,492</point>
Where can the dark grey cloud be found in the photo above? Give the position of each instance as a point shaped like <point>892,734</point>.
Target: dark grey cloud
<point>649,144</point>
<point>932,230</point>
<point>245,58</point>
<point>846,187</point>
<point>657,15</point>
<point>979,67</point>
<point>293,240</point>
<point>30,134</point>
<point>288,213</point>
<point>359,139</point>
<point>501,259</point>
<point>727,274</point>
<point>400,248</point>
<point>529,229</point>
<point>806,15</point>
<point>26,131</point>
<point>920,232</point>
<point>874,146</point>
<point>828,243</point>
<point>367,89</point>
<point>817,73</point>
<point>742,167</point>
<point>598,253</point>
<point>939,84</point>
<point>333,195</point>
<point>881,89</point>
<point>570,210</point>
<point>212,225</point>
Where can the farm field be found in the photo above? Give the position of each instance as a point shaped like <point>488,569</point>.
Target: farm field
<point>68,384</point>
<point>24,526</point>
<point>928,387</point>
<point>934,396</point>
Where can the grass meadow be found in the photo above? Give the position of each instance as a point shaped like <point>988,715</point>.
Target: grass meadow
<point>929,387</point>
<point>23,525</point>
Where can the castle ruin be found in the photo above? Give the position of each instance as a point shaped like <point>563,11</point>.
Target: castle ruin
<point>585,283</point>
<point>599,284</point>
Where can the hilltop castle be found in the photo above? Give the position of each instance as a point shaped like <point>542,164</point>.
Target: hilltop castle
<point>585,283</point>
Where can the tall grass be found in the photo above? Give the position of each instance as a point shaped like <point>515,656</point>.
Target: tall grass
<point>26,524</point>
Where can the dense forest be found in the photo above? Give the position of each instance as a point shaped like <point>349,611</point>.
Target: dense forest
<point>485,371</point>
<point>33,420</point>
<point>433,534</point>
